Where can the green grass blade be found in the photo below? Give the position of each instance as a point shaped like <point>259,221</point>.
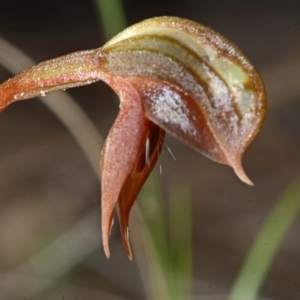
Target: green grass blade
<point>112,16</point>
<point>181,245</point>
<point>267,244</point>
<point>151,207</point>
<point>150,203</point>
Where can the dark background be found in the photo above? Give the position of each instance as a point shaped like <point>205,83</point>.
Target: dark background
<point>46,183</point>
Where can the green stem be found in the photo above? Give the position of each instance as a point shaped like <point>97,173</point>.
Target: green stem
<point>181,244</point>
<point>156,239</point>
<point>112,16</point>
<point>267,244</point>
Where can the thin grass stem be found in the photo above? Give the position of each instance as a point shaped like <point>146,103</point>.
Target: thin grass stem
<point>267,244</point>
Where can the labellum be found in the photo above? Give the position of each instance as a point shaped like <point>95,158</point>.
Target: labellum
<point>171,75</point>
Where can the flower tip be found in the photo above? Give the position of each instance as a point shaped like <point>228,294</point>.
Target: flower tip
<point>106,250</point>
<point>129,255</point>
<point>239,171</point>
<point>128,250</point>
<point>107,224</point>
<point>126,243</point>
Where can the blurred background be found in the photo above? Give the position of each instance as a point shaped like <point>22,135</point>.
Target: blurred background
<point>50,237</point>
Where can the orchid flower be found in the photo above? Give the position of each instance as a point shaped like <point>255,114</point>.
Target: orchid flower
<point>171,75</point>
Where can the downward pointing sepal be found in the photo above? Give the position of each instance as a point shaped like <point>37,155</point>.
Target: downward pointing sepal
<point>128,156</point>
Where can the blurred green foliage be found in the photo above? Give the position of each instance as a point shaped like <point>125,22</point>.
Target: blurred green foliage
<point>267,243</point>
<point>169,244</point>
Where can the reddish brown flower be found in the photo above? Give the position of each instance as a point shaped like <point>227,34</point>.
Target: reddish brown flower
<point>171,75</point>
